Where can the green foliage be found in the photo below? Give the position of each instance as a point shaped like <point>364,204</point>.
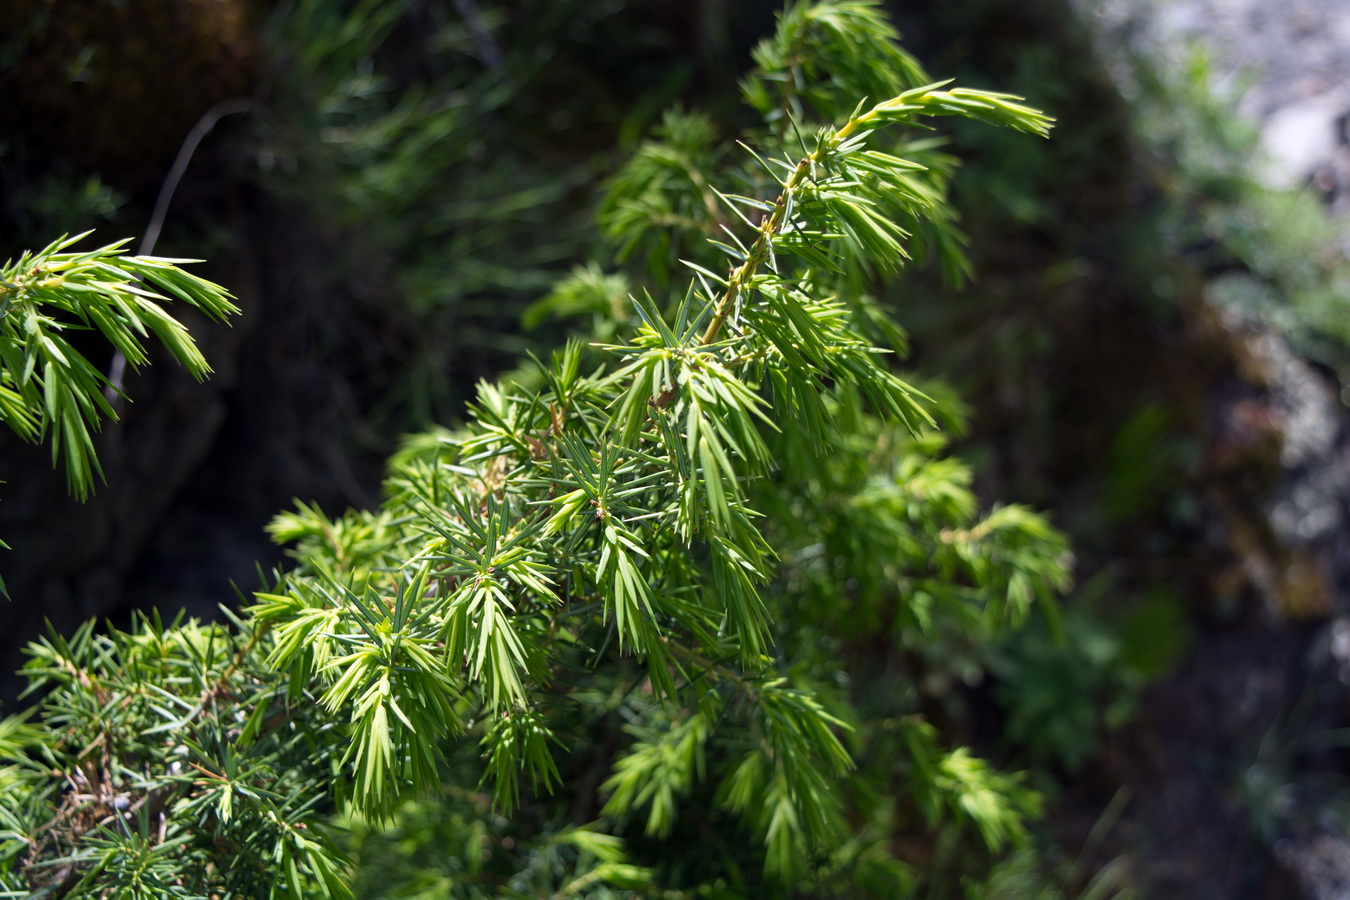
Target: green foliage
<point>156,748</point>
<point>48,387</point>
<point>438,150</point>
<point>1063,688</point>
<point>1021,877</point>
<point>634,628</point>
<point>60,202</point>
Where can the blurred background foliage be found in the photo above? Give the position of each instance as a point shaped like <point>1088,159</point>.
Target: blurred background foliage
<point>402,180</point>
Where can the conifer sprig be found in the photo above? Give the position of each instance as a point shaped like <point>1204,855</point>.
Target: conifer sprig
<point>48,388</point>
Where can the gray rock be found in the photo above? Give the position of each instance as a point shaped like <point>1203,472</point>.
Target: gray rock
<point>1287,64</point>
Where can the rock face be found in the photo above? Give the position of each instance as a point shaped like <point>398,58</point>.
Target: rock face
<point>1223,764</point>
<point>1228,777</point>
<point>1288,64</point>
<point>1279,414</point>
<point>1236,729</point>
<point>1322,864</point>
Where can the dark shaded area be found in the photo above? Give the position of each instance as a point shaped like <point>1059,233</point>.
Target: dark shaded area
<point>113,87</point>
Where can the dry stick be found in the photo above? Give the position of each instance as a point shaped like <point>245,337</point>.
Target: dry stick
<point>487,47</point>
<point>118,369</point>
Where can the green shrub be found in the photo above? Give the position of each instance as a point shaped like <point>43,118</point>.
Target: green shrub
<point>650,623</point>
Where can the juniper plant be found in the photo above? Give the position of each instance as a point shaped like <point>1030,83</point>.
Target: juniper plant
<point>611,636</point>
<point>48,388</point>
